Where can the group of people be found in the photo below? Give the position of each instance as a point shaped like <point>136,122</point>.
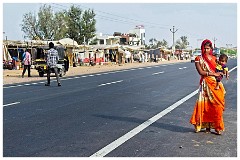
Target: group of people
<point>52,59</point>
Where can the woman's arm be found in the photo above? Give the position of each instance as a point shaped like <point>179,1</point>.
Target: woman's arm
<point>205,73</point>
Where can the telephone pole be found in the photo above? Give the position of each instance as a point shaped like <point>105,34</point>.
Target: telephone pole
<point>173,46</point>
<point>214,39</point>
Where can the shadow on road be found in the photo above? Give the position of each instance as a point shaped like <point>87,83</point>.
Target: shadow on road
<point>165,126</point>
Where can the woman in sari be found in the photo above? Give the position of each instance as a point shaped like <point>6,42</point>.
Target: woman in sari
<point>208,110</point>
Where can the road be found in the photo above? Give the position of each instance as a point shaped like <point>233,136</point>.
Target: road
<point>141,112</point>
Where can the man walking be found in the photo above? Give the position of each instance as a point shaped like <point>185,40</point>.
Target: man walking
<point>26,63</point>
<point>52,60</point>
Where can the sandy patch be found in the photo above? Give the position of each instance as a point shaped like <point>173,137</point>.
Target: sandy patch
<point>14,76</point>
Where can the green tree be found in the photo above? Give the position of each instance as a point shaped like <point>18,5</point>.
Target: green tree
<point>88,26</point>
<point>182,43</point>
<point>74,23</point>
<point>162,43</point>
<point>46,22</point>
<point>30,27</point>
<point>61,26</point>
<point>153,41</point>
<point>45,25</point>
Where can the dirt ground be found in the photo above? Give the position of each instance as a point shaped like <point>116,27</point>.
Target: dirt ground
<point>14,76</point>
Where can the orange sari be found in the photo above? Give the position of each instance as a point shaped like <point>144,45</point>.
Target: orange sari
<point>209,107</point>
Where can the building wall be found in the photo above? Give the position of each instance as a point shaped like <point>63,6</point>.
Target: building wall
<point>112,39</point>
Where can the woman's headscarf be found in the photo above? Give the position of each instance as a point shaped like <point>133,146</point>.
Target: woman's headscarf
<point>211,63</point>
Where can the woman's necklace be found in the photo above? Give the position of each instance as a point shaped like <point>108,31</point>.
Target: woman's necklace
<point>209,57</point>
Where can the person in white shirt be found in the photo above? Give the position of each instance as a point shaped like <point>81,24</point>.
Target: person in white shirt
<point>52,60</point>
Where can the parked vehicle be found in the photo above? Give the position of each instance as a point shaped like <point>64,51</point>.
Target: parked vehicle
<point>195,54</point>
<point>41,67</point>
<point>41,64</point>
<point>216,52</point>
<point>8,64</point>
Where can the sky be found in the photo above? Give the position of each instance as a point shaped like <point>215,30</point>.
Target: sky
<point>197,21</point>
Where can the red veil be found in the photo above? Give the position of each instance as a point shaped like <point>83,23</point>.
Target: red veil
<point>211,63</point>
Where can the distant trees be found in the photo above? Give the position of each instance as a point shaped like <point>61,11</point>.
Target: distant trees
<point>162,43</point>
<point>182,43</point>
<point>47,25</point>
<point>152,41</point>
<point>156,44</point>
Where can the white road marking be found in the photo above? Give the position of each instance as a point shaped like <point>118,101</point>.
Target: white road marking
<point>232,69</point>
<point>110,83</point>
<point>90,76</point>
<point>110,147</point>
<point>182,68</point>
<point>158,73</point>
<point>10,104</point>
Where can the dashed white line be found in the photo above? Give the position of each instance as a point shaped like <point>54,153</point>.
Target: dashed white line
<point>110,83</point>
<point>10,104</point>
<point>158,73</point>
<point>182,68</point>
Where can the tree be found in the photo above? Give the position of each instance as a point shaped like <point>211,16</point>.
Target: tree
<point>41,27</point>
<point>153,41</point>
<point>61,26</point>
<point>182,43</point>
<point>46,22</point>
<point>88,25</point>
<point>30,27</point>
<point>162,43</point>
<point>72,23</point>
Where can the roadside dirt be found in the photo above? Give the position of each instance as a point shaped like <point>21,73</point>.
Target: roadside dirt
<point>14,76</point>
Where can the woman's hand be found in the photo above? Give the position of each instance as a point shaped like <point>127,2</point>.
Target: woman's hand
<point>217,74</point>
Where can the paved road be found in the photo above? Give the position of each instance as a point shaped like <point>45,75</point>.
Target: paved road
<point>140,112</point>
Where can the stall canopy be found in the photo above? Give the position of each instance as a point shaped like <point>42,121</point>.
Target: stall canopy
<point>68,42</point>
<point>6,54</point>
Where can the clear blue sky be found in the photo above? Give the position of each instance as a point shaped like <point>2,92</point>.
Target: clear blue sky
<point>195,20</point>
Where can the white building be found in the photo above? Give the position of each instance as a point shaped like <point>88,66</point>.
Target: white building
<point>140,35</point>
<point>107,39</point>
<point>134,37</point>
